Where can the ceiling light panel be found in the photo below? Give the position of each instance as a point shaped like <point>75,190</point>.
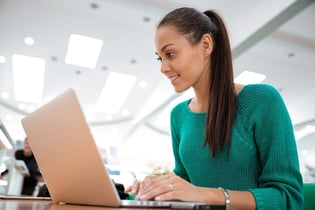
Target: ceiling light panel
<point>28,78</point>
<point>248,77</point>
<point>115,92</point>
<point>83,51</point>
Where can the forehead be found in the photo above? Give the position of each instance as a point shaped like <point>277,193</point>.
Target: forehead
<point>166,35</point>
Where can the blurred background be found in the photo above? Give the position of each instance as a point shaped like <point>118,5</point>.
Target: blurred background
<point>104,50</point>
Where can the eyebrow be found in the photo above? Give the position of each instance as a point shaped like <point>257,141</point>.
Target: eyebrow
<point>165,46</point>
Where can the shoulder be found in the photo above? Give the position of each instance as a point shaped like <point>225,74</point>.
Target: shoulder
<point>179,112</point>
<point>259,99</point>
<point>179,108</point>
<point>253,90</point>
<point>262,93</point>
<point>19,154</point>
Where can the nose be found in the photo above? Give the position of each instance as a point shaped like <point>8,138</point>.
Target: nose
<point>165,67</point>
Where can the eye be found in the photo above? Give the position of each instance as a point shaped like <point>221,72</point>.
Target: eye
<point>170,54</point>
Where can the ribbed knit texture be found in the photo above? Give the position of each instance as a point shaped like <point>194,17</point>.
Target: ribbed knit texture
<point>262,157</point>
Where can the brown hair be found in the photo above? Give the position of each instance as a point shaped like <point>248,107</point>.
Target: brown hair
<point>222,96</point>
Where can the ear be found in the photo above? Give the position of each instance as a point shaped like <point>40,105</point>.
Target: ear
<point>207,44</point>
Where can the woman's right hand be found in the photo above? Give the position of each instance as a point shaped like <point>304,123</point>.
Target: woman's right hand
<point>137,185</point>
<point>134,189</point>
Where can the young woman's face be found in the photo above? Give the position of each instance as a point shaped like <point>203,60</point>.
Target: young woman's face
<point>185,65</point>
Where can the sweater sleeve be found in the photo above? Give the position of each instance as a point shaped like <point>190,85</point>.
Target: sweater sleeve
<point>280,183</point>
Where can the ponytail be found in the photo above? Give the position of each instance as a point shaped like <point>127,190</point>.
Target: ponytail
<point>222,95</point>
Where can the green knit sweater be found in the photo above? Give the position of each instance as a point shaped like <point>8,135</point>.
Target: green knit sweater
<point>262,157</point>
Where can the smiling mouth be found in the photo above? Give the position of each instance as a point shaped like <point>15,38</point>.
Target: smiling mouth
<point>172,78</point>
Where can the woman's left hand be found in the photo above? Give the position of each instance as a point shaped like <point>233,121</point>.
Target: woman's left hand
<point>168,187</point>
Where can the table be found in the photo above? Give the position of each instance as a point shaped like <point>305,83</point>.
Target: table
<point>46,204</point>
<point>49,205</point>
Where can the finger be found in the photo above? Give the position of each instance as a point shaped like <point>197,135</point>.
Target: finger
<point>171,192</point>
<point>128,189</point>
<point>149,178</point>
<point>135,187</point>
<point>166,196</point>
<point>161,182</point>
<point>149,184</point>
<point>154,188</point>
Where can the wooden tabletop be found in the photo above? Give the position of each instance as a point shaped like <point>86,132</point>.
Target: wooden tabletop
<point>14,204</point>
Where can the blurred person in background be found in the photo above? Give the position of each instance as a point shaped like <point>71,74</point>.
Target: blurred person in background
<point>35,176</point>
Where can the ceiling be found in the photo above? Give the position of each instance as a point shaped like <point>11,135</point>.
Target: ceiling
<point>275,38</point>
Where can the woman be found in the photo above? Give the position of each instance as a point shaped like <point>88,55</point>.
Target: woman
<point>232,144</point>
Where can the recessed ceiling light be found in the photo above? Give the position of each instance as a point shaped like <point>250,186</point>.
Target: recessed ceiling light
<point>5,95</point>
<point>291,54</point>
<point>2,59</point>
<point>54,58</point>
<point>94,6</point>
<point>22,106</point>
<point>29,40</point>
<point>146,19</point>
<point>143,84</point>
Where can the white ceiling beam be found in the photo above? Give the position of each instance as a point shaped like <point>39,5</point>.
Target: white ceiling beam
<point>271,26</point>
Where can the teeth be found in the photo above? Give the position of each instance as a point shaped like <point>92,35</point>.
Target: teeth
<point>173,78</point>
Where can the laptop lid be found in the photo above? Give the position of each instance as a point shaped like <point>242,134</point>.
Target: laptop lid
<point>67,154</point>
<point>70,162</point>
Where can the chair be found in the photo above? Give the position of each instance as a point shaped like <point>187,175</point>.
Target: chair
<point>309,196</point>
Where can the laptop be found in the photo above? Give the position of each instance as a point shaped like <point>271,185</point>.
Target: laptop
<point>69,159</point>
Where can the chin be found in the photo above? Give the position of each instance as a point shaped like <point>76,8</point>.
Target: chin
<point>177,90</point>
<point>180,90</point>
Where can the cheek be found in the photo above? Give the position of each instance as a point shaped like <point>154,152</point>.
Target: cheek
<point>193,65</point>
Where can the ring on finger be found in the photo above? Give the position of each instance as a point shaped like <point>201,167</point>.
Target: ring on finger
<point>170,187</point>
